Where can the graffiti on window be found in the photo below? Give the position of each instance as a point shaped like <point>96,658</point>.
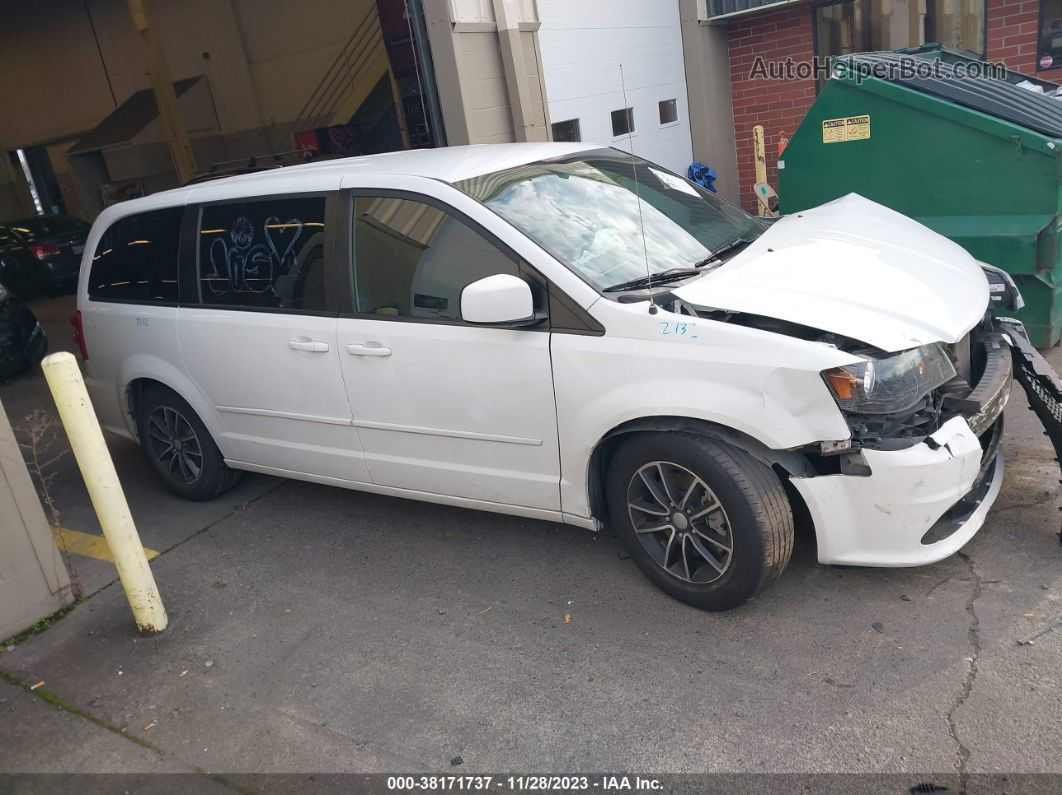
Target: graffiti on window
<point>267,254</point>
<point>239,265</point>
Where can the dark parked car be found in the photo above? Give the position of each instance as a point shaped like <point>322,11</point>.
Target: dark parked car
<point>41,255</point>
<point>22,339</point>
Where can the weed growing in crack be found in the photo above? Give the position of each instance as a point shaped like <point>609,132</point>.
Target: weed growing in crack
<point>40,436</point>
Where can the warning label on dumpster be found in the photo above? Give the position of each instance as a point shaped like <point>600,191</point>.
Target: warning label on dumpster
<point>850,128</point>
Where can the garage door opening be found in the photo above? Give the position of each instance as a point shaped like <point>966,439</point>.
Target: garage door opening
<point>40,179</point>
<point>372,90</point>
<point>379,94</point>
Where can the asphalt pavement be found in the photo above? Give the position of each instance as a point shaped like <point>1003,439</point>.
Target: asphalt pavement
<point>320,630</point>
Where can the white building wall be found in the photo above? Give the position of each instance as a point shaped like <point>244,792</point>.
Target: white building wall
<point>583,43</point>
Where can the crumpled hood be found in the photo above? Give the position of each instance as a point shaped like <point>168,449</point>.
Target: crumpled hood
<point>856,268</point>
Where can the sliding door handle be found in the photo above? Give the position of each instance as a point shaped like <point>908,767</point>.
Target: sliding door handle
<point>372,349</point>
<point>304,344</point>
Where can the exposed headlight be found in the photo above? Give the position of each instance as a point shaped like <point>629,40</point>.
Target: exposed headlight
<point>890,384</point>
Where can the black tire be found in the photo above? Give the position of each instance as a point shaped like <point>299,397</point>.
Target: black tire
<point>163,418</point>
<point>739,500</point>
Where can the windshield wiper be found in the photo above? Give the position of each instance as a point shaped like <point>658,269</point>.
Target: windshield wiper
<point>670,275</point>
<point>739,242</point>
<point>674,274</point>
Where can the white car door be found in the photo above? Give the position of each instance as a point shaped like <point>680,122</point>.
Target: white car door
<point>262,343</point>
<point>442,406</point>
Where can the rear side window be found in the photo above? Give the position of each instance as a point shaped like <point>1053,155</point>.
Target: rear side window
<point>136,259</point>
<point>265,254</point>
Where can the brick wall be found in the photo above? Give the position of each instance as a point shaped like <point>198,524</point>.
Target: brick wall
<point>779,105</point>
<point>1012,33</point>
<point>1012,36</point>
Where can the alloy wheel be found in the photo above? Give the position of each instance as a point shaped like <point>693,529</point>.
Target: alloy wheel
<point>680,522</point>
<point>174,444</point>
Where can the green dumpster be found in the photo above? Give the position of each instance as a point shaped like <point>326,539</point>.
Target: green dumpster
<point>977,159</point>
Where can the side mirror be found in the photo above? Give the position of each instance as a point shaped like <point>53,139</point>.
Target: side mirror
<point>497,300</point>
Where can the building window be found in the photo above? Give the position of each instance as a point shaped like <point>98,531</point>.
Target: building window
<point>958,26</point>
<point>622,122</point>
<point>842,28</point>
<point>668,111</point>
<point>567,131</point>
<point>852,26</point>
<point>1049,45</point>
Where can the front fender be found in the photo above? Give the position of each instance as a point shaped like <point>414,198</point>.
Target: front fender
<point>728,377</point>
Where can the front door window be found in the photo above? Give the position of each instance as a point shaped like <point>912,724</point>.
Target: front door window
<point>413,259</point>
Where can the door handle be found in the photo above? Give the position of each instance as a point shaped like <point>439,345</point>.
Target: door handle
<point>357,349</point>
<point>303,344</point>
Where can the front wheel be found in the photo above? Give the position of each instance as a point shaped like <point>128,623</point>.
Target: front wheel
<point>704,521</point>
<point>179,447</point>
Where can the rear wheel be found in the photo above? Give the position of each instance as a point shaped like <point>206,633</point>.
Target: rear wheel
<point>179,447</point>
<point>704,521</point>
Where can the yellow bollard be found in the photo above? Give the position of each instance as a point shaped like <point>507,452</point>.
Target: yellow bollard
<point>94,460</point>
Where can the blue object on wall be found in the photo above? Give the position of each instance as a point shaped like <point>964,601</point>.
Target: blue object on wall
<point>702,175</point>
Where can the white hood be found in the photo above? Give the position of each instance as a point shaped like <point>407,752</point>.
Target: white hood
<point>855,268</point>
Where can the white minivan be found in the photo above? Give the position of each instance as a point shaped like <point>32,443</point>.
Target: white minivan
<point>563,333</point>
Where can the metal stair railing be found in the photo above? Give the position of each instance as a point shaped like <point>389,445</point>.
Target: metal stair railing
<point>359,51</point>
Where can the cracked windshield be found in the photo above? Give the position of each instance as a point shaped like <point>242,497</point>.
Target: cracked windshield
<point>584,210</point>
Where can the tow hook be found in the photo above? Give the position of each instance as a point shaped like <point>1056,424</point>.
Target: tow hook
<point>1041,383</point>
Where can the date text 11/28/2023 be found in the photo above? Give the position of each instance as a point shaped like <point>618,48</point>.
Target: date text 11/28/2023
<point>529,783</point>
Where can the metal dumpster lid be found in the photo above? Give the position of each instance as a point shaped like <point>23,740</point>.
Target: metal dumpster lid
<point>999,98</point>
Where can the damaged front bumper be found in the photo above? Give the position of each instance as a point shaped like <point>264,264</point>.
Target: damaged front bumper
<point>921,504</point>
<point>890,517</point>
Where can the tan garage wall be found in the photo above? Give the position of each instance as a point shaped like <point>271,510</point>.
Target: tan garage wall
<point>707,59</point>
<point>489,70</point>
<point>34,582</point>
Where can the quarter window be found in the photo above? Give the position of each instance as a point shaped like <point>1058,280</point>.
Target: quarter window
<point>266,254</point>
<point>136,259</point>
<point>412,259</point>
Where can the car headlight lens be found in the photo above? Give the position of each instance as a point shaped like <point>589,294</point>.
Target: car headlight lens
<point>890,384</point>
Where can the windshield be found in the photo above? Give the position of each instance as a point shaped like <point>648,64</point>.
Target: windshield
<point>584,210</point>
